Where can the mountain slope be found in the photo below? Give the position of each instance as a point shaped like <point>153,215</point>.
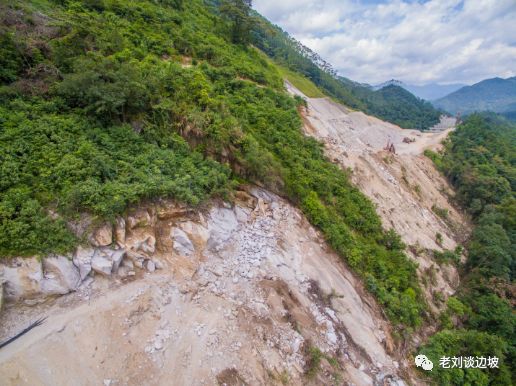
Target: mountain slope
<point>397,105</point>
<point>428,92</point>
<point>497,95</point>
<point>404,186</point>
<point>479,160</point>
<point>394,104</point>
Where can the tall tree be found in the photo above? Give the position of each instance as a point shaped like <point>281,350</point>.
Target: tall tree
<point>238,14</point>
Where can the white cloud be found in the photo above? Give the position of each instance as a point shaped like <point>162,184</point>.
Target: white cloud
<point>418,42</point>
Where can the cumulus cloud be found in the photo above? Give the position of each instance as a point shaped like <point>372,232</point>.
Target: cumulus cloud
<point>418,42</point>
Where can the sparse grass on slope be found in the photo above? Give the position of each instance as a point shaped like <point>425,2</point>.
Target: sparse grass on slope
<point>302,83</point>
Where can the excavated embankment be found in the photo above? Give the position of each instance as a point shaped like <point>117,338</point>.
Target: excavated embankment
<point>388,165</point>
<point>240,293</point>
<point>246,292</point>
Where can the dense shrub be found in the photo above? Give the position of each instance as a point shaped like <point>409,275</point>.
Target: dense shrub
<point>153,100</point>
<point>479,159</point>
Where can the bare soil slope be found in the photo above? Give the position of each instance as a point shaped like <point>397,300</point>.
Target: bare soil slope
<point>404,185</point>
<point>244,293</point>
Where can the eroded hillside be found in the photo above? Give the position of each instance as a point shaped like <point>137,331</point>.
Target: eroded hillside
<point>247,292</point>
<point>409,193</point>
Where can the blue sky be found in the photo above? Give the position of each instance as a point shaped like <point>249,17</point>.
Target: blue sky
<point>418,42</point>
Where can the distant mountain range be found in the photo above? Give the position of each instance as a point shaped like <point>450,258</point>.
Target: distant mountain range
<point>496,94</point>
<point>429,91</point>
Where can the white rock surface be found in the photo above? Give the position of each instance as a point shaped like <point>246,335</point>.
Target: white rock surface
<point>82,260</point>
<point>182,244</point>
<point>101,264</point>
<point>223,223</point>
<point>61,276</point>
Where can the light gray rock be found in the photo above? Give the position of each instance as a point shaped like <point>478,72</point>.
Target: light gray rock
<point>117,257</point>
<point>182,244</point>
<point>60,276</point>
<point>151,267</point>
<point>22,278</point>
<point>241,214</point>
<point>82,260</point>
<point>158,264</point>
<point>223,223</point>
<point>101,264</point>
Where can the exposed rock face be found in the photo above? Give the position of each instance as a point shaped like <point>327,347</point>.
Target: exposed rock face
<point>102,236</point>
<point>82,260</point>
<point>102,264</point>
<point>248,287</point>
<point>405,186</point>
<point>61,276</point>
<point>22,278</point>
<point>30,279</point>
<point>120,230</point>
<point>182,244</point>
<point>223,223</point>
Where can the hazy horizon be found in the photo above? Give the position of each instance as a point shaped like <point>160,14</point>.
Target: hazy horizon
<point>417,42</point>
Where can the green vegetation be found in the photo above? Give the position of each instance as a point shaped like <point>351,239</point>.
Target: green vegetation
<point>448,256</point>
<point>392,103</point>
<point>480,160</point>
<point>302,83</point>
<point>313,362</point>
<point>496,94</point>
<point>441,212</point>
<point>97,113</point>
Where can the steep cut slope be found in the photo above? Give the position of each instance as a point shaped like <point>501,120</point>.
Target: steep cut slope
<point>405,186</point>
<point>247,292</point>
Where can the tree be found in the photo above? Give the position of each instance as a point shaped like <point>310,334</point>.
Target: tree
<point>238,14</point>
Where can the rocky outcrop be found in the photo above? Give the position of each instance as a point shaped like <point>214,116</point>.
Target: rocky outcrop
<point>248,286</point>
<point>60,276</point>
<point>102,236</point>
<point>82,260</point>
<point>404,185</point>
<point>182,244</point>
<point>31,279</point>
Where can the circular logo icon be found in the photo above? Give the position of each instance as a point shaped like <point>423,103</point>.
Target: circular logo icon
<point>423,362</point>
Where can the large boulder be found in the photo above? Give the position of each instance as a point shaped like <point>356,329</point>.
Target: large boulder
<point>60,276</point>
<point>82,260</point>
<point>22,278</point>
<point>223,223</point>
<point>101,263</point>
<point>102,236</point>
<point>182,244</point>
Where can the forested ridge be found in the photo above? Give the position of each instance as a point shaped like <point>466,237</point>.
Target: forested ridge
<point>393,103</point>
<point>479,158</point>
<point>105,103</point>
